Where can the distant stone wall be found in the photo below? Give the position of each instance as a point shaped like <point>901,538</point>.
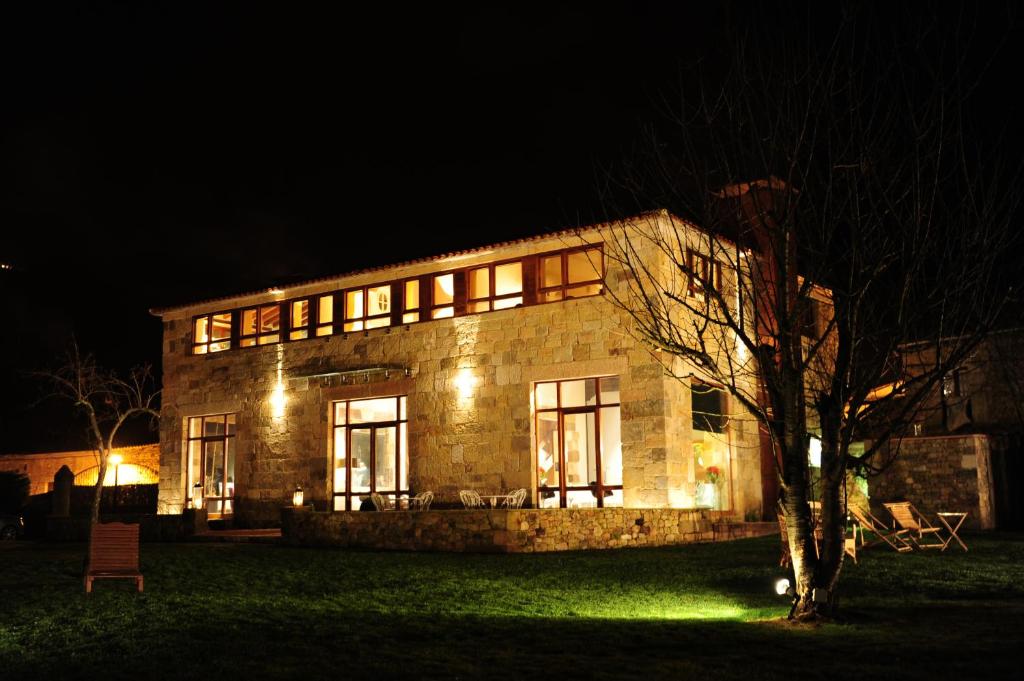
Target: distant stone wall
<point>140,465</point>
<point>950,473</point>
<point>504,531</point>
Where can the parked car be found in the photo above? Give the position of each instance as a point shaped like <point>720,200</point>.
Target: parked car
<point>11,526</point>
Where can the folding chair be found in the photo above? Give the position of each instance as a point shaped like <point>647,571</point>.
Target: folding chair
<point>867,521</point>
<point>916,525</point>
<point>471,498</point>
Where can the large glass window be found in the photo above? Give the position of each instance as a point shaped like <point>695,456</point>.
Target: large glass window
<point>571,274</point>
<point>211,333</point>
<point>579,443</point>
<point>710,468</point>
<point>261,326</point>
<point>210,446</point>
<point>371,450</point>
<point>495,287</point>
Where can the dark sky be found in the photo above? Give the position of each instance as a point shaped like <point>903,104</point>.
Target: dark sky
<point>161,154</point>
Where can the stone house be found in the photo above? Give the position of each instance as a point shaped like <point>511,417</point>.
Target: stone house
<point>494,368</point>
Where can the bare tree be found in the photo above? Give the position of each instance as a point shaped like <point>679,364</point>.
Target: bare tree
<point>106,401</point>
<point>843,211</point>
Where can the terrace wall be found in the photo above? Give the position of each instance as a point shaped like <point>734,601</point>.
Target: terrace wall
<point>504,531</point>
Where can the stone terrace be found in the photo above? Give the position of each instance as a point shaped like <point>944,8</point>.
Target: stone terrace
<point>507,531</point>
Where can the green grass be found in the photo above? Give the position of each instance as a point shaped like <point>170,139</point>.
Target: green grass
<point>218,611</point>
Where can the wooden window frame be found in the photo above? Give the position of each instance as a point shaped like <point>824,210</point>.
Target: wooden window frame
<point>305,329</point>
<point>560,411</point>
<point>203,439</point>
<point>453,304</point>
<point>348,426</point>
<point>491,299</point>
<point>545,294</point>
<point>362,323</point>
<point>405,312</point>
<point>321,326</point>
<point>699,263</point>
<point>258,337</point>
<point>208,344</point>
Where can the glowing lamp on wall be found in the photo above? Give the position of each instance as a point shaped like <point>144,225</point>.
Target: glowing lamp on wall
<point>465,382</point>
<point>278,401</point>
<point>297,496</point>
<point>197,495</point>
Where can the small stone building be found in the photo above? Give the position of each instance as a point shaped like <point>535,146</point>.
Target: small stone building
<point>494,368</point>
<point>965,449</point>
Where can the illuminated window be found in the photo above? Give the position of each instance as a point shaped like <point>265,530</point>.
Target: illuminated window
<point>579,443</point>
<point>702,272</point>
<point>495,287</point>
<point>210,446</point>
<point>411,302</point>
<point>211,333</point>
<point>573,274</point>
<point>368,308</point>
<point>371,450</point>
<point>443,297</point>
<point>710,468</point>
<point>261,326</point>
<point>299,324</point>
<point>325,315</point>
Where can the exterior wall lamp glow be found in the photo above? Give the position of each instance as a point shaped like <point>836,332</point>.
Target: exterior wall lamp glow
<point>465,382</point>
<point>278,400</point>
<point>197,495</point>
<point>297,496</point>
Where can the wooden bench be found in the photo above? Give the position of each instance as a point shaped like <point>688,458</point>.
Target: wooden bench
<point>113,554</point>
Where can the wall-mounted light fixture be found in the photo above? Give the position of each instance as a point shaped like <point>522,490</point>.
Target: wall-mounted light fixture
<point>297,496</point>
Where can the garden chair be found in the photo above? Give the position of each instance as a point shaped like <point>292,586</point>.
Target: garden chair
<point>421,502</point>
<point>113,554</point>
<point>515,499</point>
<point>916,525</point>
<point>471,498</point>
<point>867,521</point>
<point>381,502</point>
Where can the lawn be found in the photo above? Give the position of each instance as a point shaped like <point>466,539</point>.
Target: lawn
<point>221,611</point>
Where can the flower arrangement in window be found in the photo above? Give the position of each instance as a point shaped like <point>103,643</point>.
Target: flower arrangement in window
<point>714,474</point>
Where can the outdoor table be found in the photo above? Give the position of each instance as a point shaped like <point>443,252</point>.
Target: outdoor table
<point>958,518</point>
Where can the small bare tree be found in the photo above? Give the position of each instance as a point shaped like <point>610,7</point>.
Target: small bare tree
<point>106,401</point>
<point>843,212</point>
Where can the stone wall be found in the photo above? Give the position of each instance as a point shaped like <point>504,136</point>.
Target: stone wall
<point>41,467</point>
<point>500,531</point>
<point>477,439</point>
<point>949,473</point>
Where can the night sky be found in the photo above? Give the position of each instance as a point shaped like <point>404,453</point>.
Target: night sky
<point>157,155</point>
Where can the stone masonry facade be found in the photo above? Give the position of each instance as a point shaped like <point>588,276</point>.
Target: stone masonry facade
<point>948,473</point>
<point>479,439</point>
<point>506,531</point>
